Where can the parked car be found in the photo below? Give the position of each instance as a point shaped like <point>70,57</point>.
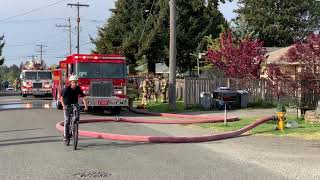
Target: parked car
<point>10,88</point>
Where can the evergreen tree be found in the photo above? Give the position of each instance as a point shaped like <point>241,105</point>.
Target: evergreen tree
<point>281,22</point>
<point>243,30</point>
<point>139,29</point>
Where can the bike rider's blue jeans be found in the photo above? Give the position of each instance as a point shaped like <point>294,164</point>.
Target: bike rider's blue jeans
<point>67,118</point>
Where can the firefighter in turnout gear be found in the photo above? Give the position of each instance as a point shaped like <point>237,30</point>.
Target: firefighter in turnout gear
<point>163,89</point>
<point>15,84</point>
<point>145,91</point>
<point>157,89</point>
<point>152,90</point>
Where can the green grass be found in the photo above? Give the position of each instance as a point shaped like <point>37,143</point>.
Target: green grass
<point>164,107</point>
<point>261,104</point>
<point>305,130</point>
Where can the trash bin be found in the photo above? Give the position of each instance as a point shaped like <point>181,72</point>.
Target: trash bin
<point>243,98</point>
<point>205,100</point>
<point>222,97</point>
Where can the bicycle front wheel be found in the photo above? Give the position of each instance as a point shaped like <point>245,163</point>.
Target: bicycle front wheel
<point>75,135</point>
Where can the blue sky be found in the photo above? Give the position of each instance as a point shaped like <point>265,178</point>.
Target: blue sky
<point>23,33</point>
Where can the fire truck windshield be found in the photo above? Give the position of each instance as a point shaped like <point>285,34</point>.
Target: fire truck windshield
<point>30,75</point>
<point>104,70</point>
<point>44,75</point>
<point>37,75</point>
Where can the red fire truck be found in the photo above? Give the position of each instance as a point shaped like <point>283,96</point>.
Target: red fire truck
<point>36,79</point>
<point>101,77</point>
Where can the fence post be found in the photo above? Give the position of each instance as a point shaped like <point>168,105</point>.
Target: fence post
<point>185,98</point>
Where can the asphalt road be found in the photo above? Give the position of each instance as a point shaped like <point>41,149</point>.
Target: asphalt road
<point>31,148</point>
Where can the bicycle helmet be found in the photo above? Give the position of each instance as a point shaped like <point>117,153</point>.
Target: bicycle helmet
<point>73,78</point>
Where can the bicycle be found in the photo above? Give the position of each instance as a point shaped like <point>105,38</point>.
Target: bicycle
<point>73,131</point>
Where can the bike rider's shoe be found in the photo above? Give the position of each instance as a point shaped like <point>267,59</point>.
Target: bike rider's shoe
<point>66,139</point>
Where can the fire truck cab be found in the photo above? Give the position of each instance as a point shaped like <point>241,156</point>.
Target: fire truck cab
<point>36,79</point>
<point>101,77</point>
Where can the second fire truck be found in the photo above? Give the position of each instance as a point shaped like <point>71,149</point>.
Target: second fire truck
<point>36,79</point>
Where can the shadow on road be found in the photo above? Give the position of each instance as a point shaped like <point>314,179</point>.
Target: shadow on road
<point>21,139</point>
<point>113,145</point>
<point>37,140</point>
<point>50,139</point>
<point>17,130</point>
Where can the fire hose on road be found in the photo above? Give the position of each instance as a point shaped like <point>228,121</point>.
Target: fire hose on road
<point>190,119</point>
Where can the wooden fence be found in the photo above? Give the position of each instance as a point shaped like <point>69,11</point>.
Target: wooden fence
<point>257,90</point>
<point>189,89</point>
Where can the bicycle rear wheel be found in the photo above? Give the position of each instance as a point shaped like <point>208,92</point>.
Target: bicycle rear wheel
<point>75,135</point>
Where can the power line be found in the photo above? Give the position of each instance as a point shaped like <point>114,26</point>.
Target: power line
<point>31,20</point>
<point>70,33</point>
<point>32,43</point>
<point>85,43</point>
<point>19,45</point>
<point>47,20</point>
<point>31,11</point>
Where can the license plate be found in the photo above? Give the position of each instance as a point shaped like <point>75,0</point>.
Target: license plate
<point>103,102</point>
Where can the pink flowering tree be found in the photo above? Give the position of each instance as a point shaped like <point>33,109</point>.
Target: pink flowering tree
<point>245,59</point>
<point>307,56</point>
<point>238,58</point>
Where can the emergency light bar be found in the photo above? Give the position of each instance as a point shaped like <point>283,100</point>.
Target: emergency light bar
<point>97,57</point>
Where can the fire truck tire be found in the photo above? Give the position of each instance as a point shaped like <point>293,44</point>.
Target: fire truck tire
<point>24,95</point>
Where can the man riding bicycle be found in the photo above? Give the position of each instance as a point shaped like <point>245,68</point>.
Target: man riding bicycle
<point>69,98</point>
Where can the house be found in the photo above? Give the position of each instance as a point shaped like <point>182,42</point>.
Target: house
<point>275,56</point>
<point>307,98</point>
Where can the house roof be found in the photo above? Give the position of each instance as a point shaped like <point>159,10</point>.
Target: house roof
<point>271,49</point>
<point>162,68</point>
<point>142,67</point>
<point>276,56</point>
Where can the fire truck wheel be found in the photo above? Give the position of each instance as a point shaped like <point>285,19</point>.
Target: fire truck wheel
<point>115,110</point>
<point>24,95</point>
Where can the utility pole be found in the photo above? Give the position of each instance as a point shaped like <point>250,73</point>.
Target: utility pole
<point>78,5</point>
<point>172,58</point>
<point>70,35</point>
<point>41,50</point>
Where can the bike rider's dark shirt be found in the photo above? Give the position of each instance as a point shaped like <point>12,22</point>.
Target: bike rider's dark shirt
<point>70,96</point>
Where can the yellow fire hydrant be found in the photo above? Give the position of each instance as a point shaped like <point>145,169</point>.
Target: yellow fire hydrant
<point>281,111</point>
